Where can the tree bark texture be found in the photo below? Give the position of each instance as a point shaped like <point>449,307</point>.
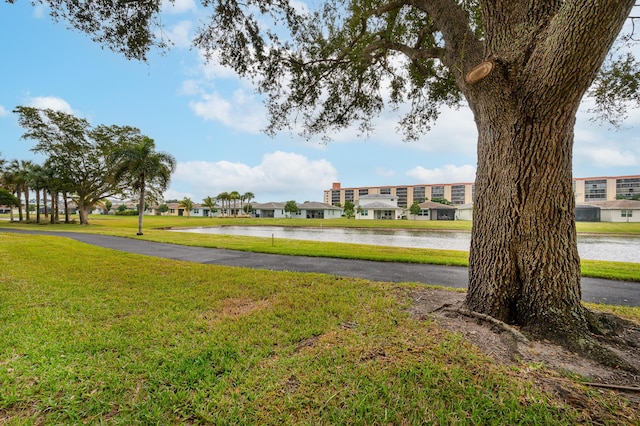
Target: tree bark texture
<point>524,263</point>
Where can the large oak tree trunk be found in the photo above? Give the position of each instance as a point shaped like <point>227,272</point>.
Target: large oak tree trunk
<point>524,264</point>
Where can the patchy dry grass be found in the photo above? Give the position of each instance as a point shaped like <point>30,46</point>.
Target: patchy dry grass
<point>91,335</point>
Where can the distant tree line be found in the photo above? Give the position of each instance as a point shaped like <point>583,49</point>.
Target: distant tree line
<point>85,164</point>
<point>226,201</point>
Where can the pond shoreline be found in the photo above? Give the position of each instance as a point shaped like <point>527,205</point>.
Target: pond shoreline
<point>364,228</point>
<point>603,247</point>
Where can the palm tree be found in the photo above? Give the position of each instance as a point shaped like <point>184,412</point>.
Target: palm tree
<point>15,177</point>
<point>224,196</point>
<point>26,167</point>
<point>37,180</point>
<point>248,196</point>
<point>186,204</point>
<point>234,195</point>
<point>3,163</point>
<point>52,185</point>
<point>144,170</point>
<point>210,203</point>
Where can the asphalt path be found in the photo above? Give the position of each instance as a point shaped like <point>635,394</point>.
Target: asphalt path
<point>595,290</point>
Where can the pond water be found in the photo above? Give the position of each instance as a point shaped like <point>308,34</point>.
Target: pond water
<point>621,249</point>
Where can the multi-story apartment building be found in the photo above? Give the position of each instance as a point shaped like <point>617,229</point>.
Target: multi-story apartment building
<point>456,193</point>
<point>606,188</point>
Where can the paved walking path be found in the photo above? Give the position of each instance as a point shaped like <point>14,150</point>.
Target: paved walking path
<point>593,289</point>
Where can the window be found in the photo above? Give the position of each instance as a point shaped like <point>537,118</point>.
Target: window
<point>401,193</point>
<point>437,191</point>
<point>457,194</point>
<point>419,193</point>
<point>595,190</point>
<point>172,211</point>
<point>335,197</point>
<point>385,191</point>
<point>196,211</point>
<point>348,194</point>
<point>362,192</point>
<point>627,187</point>
<point>627,213</point>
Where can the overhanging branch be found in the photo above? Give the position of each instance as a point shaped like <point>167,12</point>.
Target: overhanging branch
<point>412,53</point>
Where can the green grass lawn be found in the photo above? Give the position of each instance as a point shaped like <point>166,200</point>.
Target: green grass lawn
<point>92,335</point>
<point>155,229</point>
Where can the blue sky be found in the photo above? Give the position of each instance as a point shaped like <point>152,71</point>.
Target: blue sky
<point>211,121</point>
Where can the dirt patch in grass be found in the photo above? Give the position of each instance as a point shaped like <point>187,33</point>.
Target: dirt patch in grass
<point>235,307</point>
<point>571,378</point>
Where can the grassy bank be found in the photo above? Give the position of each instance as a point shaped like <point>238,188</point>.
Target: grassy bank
<point>92,335</point>
<point>155,230</point>
<point>151,222</point>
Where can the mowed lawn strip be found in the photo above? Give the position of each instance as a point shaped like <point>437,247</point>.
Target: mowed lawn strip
<point>92,335</point>
<point>156,229</point>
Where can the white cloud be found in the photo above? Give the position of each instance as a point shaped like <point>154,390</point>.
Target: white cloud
<point>211,68</point>
<point>39,11</point>
<point>51,102</point>
<point>178,6</point>
<point>610,156</point>
<point>3,111</point>
<point>384,172</point>
<point>446,174</point>
<point>280,176</point>
<point>241,112</point>
<point>191,88</point>
<point>453,133</point>
<point>180,34</point>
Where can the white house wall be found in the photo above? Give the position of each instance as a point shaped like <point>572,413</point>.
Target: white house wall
<point>615,215</point>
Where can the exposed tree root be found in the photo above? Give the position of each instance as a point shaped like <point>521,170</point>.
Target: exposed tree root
<point>592,348</point>
<point>602,340</point>
<point>615,387</point>
<point>604,329</point>
<point>496,323</point>
<point>610,327</point>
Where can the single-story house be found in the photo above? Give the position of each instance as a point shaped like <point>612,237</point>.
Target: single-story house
<point>430,210</point>
<point>616,210</point>
<point>306,210</point>
<point>464,212</point>
<point>269,210</point>
<point>316,210</point>
<point>198,210</point>
<point>378,206</point>
<point>587,213</point>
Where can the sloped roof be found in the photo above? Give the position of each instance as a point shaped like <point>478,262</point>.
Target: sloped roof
<point>268,206</point>
<point>313,205</point>
<point>379,205</point>
<point>177,205</point>
<point>435,206</point>
<point>615,204</point>
<point>468,206</point>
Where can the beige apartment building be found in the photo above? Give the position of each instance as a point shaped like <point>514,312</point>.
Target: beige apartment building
<point>605,188</point>
<point>456,193</point>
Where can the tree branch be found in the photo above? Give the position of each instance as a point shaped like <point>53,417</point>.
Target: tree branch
<point>462,49</point>
<point>410,52</point>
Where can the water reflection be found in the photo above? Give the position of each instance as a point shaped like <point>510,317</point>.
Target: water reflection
<point>622,249</point>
